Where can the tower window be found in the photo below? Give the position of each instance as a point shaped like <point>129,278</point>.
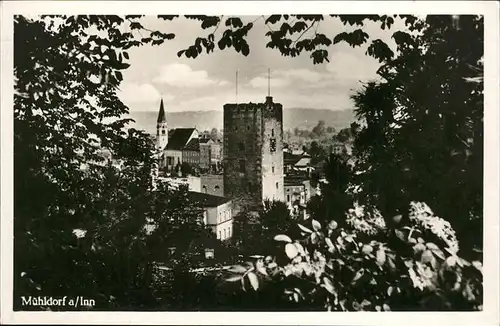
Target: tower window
<point>163,132</point>
<point>242,166</point>
<point>158,132</point>
<point>273,145</point>
<point>272,132</point>
<point>277,185</point>
<point>272,169</point>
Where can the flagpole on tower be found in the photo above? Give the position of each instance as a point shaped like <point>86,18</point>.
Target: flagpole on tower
<point>268,81</point>
<point>236,86</point>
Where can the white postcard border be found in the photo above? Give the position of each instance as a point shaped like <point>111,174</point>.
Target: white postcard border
<point>490,314</point>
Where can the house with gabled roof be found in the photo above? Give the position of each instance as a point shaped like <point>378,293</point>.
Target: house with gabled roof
<point>297,162</point>
<point>178,141</point>
<point>217,213</point>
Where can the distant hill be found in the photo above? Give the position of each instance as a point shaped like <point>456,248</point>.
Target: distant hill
<point>206,120</point>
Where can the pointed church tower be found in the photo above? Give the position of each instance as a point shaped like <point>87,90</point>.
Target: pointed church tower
<point>161,128</point>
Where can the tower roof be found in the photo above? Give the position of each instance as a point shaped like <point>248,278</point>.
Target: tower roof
<point>162,117</point>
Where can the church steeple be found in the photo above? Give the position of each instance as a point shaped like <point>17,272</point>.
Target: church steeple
<point>161,128</point>
<point>162,117</point>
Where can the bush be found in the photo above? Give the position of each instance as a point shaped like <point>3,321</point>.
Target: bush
<point>367,266</point>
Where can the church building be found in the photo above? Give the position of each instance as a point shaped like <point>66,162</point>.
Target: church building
<point>176,146</point>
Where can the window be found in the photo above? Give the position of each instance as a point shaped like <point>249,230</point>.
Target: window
<point>216,187</point>
<point>163,131</point>
<point>273,145</point>
<point>220,235</point>
<point>242,166</point>
<point>157,132</point>
<point>288,198</point>
<point>205,189</point>
<point>272,169</point>
<point>272,132</point>
<point>209,253</point>
<point>277,185</point>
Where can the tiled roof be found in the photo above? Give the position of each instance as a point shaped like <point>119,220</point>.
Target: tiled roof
<point>178,138</point>
<point>207,200</point>
<point>193,145</point>
<point>289,158</point>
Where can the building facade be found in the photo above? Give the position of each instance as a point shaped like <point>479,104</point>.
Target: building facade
<point>205,152</point>
<point>217,213</point>
<point>253,152</point>
<point>210,155</point>
<point>298,191</point>
<point>191,153</point>
<point>216,156</point>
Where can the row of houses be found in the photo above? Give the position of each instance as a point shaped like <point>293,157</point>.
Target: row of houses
<point>185,146</point>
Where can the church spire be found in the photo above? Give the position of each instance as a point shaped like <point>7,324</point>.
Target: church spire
<point>162,128</point>
<point>161,115</point>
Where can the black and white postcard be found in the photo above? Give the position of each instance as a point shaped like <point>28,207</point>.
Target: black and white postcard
<point>266,162</point>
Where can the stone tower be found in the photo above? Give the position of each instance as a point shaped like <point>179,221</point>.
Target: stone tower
<point>253,152</point>
<point>161,128</point>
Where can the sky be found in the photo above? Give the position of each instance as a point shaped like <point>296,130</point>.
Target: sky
<point>209,81</point>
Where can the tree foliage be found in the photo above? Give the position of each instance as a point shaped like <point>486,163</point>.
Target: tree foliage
<point>81,218</point>
<point>292,35</point>
<point>424,126</point>
<point>254,230</point>
<point>335,197</point>
<point>368,266</point>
